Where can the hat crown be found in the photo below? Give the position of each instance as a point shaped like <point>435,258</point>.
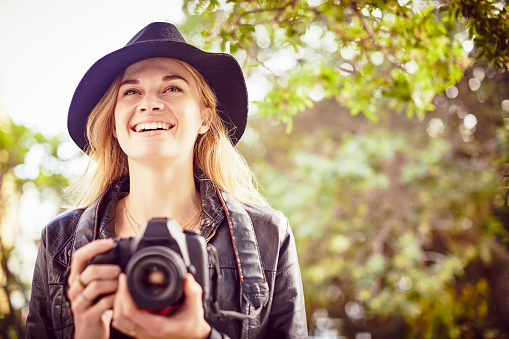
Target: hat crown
<point>157,31</point>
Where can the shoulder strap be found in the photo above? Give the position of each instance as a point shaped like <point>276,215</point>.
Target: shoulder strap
<point>255,288</point>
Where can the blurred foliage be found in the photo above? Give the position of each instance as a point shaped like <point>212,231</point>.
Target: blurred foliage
<point>365,54</point>
<point>400,225</point>
<point>16,144</point>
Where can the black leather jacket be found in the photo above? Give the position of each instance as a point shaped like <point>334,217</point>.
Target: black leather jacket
<point>259,270</point>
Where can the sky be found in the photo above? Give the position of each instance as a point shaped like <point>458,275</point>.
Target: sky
<point>47,46</point>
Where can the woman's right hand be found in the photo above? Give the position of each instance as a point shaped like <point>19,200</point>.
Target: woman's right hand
<point>86,284</point>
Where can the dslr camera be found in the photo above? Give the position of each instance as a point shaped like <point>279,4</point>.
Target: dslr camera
<point>156,262</point>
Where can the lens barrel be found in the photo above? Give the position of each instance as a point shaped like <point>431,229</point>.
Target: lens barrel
<point>155,277</point>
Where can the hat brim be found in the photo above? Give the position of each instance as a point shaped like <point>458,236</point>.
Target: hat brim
<point>221,72</point>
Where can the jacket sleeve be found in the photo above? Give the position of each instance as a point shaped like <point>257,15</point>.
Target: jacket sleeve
<point>288,314</point>
<point>39,323</point>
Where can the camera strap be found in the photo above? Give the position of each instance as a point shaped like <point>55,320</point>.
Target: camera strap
<point>214,304</point>
<point>253,282</point>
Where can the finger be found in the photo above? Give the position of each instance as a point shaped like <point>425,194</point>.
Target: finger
<point>192,290</point>
<point>128,316</point>
<point>92,313</point>
<point>105,303</point>
<point>99,272</point>
<point>74,290</point>
<point>124,308</point>
<point>98,288</point>
<point>79,261</point>
<point>123,288</point>
<point>93,294</point>
<point>124,304</point>
<point>91,274</point>
<point>79,303</point>
<point>83,255</point>
<point>192,308</point>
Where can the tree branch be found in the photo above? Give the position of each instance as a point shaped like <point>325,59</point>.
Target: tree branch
<point>391,58</point>
<point>279,10</point>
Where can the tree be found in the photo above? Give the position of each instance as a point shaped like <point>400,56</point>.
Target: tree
<point>365,54</point>
<point>16,144</point>
<point>396,222</point>
<point>400,225</point>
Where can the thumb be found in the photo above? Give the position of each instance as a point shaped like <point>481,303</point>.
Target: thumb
<point>192,290</point>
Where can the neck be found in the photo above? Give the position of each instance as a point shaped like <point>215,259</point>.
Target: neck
<point>162,191</point>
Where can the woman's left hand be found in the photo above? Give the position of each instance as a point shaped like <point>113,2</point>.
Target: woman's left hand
<point>187,322</point>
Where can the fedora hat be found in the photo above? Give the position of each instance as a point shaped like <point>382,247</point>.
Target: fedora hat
<point>161,39</point>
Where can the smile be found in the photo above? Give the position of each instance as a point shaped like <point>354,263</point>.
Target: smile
<point>152,126</point>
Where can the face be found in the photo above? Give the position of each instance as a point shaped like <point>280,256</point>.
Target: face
<point>159,112</point>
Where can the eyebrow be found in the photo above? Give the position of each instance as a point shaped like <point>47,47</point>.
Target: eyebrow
<point>165,79</point>
<point>173,77</point>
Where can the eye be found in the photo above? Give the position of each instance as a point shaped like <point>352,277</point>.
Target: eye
<point>131,91</point>
<point>173,88</point>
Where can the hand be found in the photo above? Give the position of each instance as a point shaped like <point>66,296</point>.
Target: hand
<point>86,285</point>
<point>187,322</point>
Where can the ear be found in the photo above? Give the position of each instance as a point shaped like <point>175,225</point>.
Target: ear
<point>114,127</point>
<point>206,120</point>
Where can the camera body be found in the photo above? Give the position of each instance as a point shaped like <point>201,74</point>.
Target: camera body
<point>156,262</point>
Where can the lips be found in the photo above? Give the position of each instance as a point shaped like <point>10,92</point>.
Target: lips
<point>152,126</point>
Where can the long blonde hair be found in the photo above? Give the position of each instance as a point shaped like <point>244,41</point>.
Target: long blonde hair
<point>214,154</point>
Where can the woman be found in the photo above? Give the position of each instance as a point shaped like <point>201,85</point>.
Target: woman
<point>159,119</point>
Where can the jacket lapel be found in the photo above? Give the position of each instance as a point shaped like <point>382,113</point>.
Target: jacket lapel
<point>97,221</point>
<point>255,288</point>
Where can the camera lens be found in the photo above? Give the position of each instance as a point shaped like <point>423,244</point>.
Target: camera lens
<point>154,276</point>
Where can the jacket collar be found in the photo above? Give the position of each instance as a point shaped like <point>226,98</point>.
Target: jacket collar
<point>97,220</point>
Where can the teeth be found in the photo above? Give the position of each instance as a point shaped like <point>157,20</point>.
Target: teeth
<point>148,126</point>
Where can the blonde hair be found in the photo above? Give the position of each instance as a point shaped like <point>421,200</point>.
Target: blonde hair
<point>214,154</point>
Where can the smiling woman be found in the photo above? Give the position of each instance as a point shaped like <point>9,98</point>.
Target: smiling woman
<point>159,120</point>
<point>153,98</point>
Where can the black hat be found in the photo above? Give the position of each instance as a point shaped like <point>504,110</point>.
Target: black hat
<point>161,39</point>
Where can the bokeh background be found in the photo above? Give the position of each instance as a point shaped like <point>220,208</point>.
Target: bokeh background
<point>378,127</point>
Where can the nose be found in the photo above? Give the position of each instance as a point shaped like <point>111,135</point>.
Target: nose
<point>150,103</point>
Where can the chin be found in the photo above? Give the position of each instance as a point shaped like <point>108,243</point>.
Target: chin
<point>157,158</point>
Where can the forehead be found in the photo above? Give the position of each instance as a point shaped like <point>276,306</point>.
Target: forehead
<point>156,66</point>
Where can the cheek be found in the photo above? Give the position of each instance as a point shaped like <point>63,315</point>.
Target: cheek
<point>118,119</point>
<point>119,126</point>
<point>188,115</point>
